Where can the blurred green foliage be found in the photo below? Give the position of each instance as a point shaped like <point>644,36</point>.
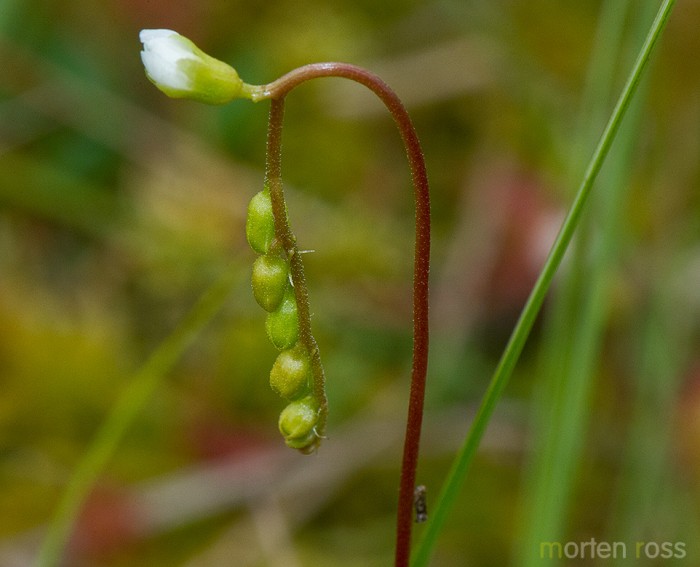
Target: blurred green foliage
<point>119,207</point>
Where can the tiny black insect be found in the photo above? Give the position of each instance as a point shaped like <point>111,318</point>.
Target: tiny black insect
<point>419,502</point>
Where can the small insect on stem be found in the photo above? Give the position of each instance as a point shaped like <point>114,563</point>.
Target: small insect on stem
<point>420,504</point>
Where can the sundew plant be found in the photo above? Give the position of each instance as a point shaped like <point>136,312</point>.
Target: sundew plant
<point>181,70</point>
<point>177,67</point>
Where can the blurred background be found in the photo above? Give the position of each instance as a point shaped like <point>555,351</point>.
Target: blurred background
<point>120,207</point>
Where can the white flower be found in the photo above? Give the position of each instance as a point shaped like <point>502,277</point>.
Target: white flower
<point>181,70</point>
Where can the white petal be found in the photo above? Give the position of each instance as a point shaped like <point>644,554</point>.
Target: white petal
<point>148,35</point>
<point>170,46</point>
<point>164,71</point>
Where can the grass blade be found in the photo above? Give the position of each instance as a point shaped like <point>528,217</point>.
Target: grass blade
<point>466,454</point>
<point>561,403</point>
<point>142,386</point>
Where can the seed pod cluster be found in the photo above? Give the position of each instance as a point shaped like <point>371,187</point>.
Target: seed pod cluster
<point>291,374</point>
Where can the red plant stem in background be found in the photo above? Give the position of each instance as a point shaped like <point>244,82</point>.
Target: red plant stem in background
<point>276,91</point>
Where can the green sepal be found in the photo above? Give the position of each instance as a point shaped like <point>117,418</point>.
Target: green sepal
<point>270,279</point>
<point>282,325</point>
<point>297,424</point>
<point>212,83</point>
<point>291,373</point>
<point>260,222</point>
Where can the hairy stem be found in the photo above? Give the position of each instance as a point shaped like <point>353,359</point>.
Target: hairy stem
<point>286,239</point>
<point>276,91</point>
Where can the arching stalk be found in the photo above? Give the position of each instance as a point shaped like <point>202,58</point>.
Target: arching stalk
<point>276,91</point>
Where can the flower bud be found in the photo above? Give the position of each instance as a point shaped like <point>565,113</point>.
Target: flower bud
<point>291,373</point>
<point>282,325</point>
<point>181,70</point>
<point>269,280</point>
<point>297,424</point>
<point>260,223</point>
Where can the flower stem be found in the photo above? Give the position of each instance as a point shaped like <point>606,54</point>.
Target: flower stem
<point>286,239</point>
<point>276,91</point>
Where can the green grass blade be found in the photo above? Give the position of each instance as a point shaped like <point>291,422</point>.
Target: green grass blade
<point>561,403</point>
<point>142,386</point>
<point>465,456</point>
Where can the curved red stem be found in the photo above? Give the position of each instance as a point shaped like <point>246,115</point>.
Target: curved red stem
<point>277,91</point>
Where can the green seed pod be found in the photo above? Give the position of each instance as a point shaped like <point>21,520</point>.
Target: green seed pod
<point>291,373</point>
<point>260,223</point>
<point>282,325</point>
<point>297,422</point>
<point>270,280</point>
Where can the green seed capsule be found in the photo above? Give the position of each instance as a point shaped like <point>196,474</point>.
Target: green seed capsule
<point>297,422</point>
<point>282,325</point>
<point>270,280</point>
<point>291,373</point>
<point>260,223</point>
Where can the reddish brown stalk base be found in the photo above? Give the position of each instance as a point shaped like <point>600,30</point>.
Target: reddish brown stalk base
<point>276,91</point>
